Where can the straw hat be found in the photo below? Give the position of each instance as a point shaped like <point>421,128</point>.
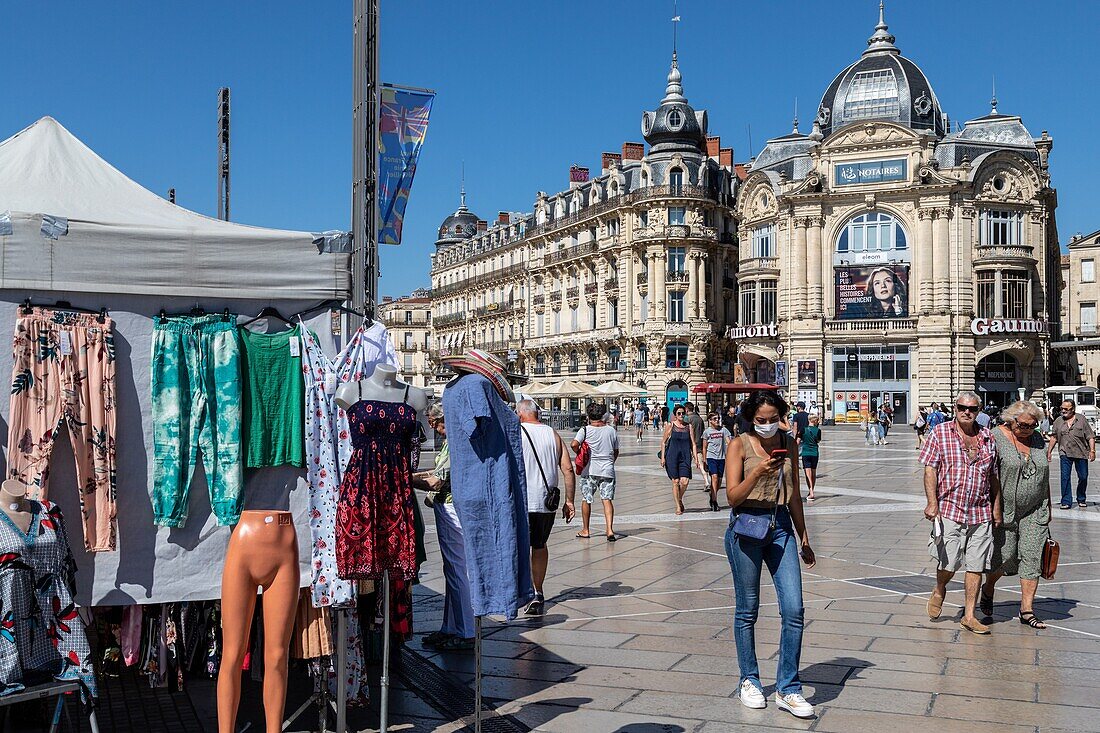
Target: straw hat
<point>476,361</point>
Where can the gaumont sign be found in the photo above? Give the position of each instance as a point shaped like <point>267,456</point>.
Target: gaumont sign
<point>763,331</point>
<point>989,326</point>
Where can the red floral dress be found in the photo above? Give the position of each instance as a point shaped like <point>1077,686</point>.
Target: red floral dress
<point>374,514</point>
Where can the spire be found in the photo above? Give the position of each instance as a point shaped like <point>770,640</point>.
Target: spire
<point>795,130</point>
<point>674,91</point>
<point>881,39</point>
<point>993,101</point>
<point>462,190</point>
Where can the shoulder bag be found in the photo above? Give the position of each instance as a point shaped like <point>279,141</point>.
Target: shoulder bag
<point>584,453</point>
<point>553,493</point>
<point>756,529</point>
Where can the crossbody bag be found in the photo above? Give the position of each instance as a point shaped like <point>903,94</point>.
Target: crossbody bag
<point>756,529</point>
<point>553,493</point>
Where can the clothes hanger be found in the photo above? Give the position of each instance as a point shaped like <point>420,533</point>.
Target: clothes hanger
<point>64,305</point>
<point>268,312</point>
<point>332,304</point>
<point>197,312</point>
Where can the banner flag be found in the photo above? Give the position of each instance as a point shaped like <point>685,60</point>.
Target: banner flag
<point>402,127</point>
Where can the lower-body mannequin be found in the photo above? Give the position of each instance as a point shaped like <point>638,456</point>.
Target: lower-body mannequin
<point>263,553</point>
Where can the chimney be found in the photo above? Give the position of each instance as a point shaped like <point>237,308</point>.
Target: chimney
<point>482,225</point>
<point>741,171</point>
<point>714,143</point>
<point>633,151</point>
<point>609,159</point>
<point>502,217</point>
<point>387,298</point>
<point>725,157</point>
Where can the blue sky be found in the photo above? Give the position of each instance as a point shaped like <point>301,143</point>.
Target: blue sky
<point>524,90</point>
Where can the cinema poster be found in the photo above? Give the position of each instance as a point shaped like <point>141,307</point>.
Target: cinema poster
<point>874,291</point>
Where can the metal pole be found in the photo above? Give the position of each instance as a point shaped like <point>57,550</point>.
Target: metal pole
<point>477,674</point>
<point>223,153</point>
<point>364,204</point>
<point>341,672</point>
<point>384,703</point>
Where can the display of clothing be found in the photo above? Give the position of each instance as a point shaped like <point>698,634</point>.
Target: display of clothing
<point>64,376</point>
<point>328,445</point>
<point>375,528</point>
<point>196,377</point>
<point>489,490</point>
<point>312,630</point>
<point>41,633</point>
<point>272,406</point>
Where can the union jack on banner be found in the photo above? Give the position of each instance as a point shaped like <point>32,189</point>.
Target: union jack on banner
<point>402,127</point>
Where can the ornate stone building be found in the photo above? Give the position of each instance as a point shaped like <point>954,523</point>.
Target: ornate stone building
<point>1077,353</point>
<point>629,275</point>
<point>900,261</point>
<point>409,321</point>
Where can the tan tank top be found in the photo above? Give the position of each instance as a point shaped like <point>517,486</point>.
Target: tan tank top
<point>763,495</point>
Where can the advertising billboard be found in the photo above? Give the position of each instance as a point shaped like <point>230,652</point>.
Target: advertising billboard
<point>780,374</point>
<point>872,292</point>
<point>807,372</point>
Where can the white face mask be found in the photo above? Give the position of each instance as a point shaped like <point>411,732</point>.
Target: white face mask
<point>766,431</point>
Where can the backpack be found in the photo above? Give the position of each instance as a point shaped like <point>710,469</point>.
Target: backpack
<point>935,419</point>
<point>584,453</point>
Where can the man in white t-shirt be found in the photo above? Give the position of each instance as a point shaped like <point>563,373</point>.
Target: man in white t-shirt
<point>599,475</point>
<point>544,455</point>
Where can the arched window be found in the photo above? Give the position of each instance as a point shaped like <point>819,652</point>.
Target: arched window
<point>643,355</point>
<point>676,180</point>
<point>574,361</point>
<point>871,232</point>
<point>676,355</point>
<point>591,360</point>
<point>557,364</point>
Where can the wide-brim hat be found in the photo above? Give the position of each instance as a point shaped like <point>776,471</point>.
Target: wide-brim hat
<point>476,361</point>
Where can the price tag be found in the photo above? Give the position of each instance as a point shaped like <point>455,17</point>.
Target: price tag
<point>295,348</point>
<point>65,343</point>
<point>330,384</point>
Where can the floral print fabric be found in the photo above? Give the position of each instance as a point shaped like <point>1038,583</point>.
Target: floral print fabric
<point>64,376</point>
<point>41,633</point>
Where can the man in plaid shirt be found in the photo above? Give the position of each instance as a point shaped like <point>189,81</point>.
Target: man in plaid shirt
<point>961,485</point>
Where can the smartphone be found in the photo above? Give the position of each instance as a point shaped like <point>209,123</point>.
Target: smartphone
<point>779,453</point>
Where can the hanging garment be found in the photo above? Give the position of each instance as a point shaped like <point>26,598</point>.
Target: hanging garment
<point>489,490</point>
<point>375,528</point>
<point>64,375</point>
<point>196,377</point>
<point>312,631</point>
<point>41,633</point>
<point>271,379</point>
<point>328,445</point>
<point>131,634</point>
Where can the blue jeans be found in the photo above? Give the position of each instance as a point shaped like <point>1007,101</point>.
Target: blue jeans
<point>1082,466</point>
<point>781,555</point>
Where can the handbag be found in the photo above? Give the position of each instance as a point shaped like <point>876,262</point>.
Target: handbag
<point>756,529</point>
<point>553,493</point>
<point>1049,563</point>
<point>584,453</point>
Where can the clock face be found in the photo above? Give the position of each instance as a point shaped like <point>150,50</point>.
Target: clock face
<point>647,123</point>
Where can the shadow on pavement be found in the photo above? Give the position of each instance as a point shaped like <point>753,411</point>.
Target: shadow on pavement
<point>607,589</point>
<point>650,728</point>
<point>829,678</point>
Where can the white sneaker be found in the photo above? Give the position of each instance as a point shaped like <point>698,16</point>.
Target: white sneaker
<point>752,696</point>
<point>794,704</point>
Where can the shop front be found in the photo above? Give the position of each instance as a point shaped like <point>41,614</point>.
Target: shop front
<point>997,378</point>
<point>676,394</point>
<point>865,378</point>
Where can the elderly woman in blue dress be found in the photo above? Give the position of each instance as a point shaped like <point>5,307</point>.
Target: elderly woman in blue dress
<point>1023,505</point>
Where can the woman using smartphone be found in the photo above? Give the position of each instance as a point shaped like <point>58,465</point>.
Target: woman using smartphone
<point>767,527</point>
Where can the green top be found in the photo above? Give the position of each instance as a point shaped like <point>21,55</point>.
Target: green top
<point>272,399</point>
<point>811,437</point>
<point>1025,479</point>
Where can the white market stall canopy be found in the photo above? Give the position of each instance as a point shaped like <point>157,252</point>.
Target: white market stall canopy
<point>69,221</point>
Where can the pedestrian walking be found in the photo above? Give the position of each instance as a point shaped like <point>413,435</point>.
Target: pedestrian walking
<point>1023,472</point>
<point>920,426</point>
<point>639,422</point>
<point>457,630</point>
<point>695,421</point>
<point>800,420</point>
<point>882,425</point>
<point>544,457</point>
<point>936,416</point>
<point>1076,447</point>
<point>598,477</point>
<point>729,419</point>
<point>664,415</point>
<point>678,450</point>
<point>767,527</point>
<point>959,463</point>
<point>716,439</point>
<point>809,452</point>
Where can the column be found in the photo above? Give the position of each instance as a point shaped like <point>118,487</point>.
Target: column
<point>941,263</point>
<point>702,280</point>
<point>691,309</point>
<point>659,295</point>
<point>813,264</point>
<point>798,269</point>
<point>651,283</point>
<point>920,280</point>
<point>603,310</point>
<point>626,291</point>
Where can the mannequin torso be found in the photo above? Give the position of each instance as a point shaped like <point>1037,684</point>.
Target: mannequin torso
<point>13,501</point>
<point>383,385</point>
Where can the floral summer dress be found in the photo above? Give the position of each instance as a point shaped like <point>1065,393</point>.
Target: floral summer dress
<point>374,514</point>
<point>41,634</point>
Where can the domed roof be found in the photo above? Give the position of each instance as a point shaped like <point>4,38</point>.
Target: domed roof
<point>675,124</point>
<point>881,85</point>
<point>459,226</point>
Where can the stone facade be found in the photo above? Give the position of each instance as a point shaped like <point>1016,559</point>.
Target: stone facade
<point>409,321</point>
<point>1077,353</point>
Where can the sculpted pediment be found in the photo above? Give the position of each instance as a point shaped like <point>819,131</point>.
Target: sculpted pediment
<point>863,134</point>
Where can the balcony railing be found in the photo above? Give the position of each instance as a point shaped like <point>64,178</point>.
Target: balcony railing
<point>539,370</point>
<point>612,283</point>
<point>754,264</point>
<point>496,309</point>
<point>676,363</point>
<point>676,231</point>
<point>555,369</point>
<point>642,278</point>
<point>612,366</point>
<point>591,288</point>
<point>889,325</point>
<point>572,293</point>
<point>988,252</point>
<point>676,276</point>
<point>450,319</point>
<point>397,318</point>
<point>538,299</point>
<point>569,253</point>
<point>590,368</point>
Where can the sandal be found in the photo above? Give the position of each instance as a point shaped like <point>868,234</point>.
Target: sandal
<point>985,605</point>
<point>934,606</point>
<point>583,536</point>
<point>1028,618</point>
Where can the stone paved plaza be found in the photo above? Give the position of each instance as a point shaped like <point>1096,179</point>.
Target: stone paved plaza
<point>638,634</point>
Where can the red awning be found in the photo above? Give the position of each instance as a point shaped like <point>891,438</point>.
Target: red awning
<point>730,388</point>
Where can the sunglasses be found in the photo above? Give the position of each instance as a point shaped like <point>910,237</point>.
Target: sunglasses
<point>1067,409</point>
<point>1026,425</point>
<point>678,413</point>
<point>968,408</point>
